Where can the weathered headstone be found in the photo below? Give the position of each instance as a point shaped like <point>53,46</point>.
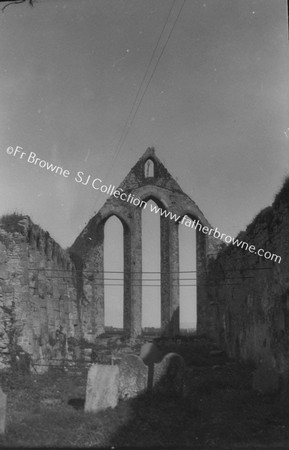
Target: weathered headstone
<point>101,388</point>
<point>3,403</point>
<point>133,376</point>
<point>169,374</point>
<point>265,380</point>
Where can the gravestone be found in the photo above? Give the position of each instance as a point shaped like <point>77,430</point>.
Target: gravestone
<point>101,388</point>
<point>3,403</point>
<point>169,374</point>
<point>133,376</point>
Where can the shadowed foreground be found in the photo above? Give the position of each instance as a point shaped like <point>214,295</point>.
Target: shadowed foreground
<point>218,410</point>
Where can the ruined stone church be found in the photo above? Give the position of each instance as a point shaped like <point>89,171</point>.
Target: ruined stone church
<point>147,180</point>
<point>52,299</point>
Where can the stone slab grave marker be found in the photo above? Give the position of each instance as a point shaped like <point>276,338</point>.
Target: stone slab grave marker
<point>101,388</point>
<point>3,403</point>
<point>169,374</point>
<point>133,376</point>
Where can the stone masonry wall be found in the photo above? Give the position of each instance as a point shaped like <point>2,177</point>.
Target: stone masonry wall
<point>38,309</point>
<point>248,295</point>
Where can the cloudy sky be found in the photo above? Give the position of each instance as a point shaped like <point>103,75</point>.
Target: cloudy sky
<point>215,103</point>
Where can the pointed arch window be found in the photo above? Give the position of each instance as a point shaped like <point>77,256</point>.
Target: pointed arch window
<point>149,168</point>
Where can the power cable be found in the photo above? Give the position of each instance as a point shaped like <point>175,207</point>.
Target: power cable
<point>127,123</point>
<point>108,271</point>
<point>129,120</point>
<point>201,272</point>
<point>136,97</point>
<point>147,86</point>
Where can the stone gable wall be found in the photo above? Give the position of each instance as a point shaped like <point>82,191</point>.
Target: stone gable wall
<point>88,252</point>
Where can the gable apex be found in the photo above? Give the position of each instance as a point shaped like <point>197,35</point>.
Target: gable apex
<point>149,153</point>
<point>161,177</point>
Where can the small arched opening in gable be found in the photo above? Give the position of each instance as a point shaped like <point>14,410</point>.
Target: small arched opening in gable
<point>149,168</point>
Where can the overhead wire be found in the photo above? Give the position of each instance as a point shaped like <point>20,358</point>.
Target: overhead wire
<point>132,283</point>
<point>201,272</point>
<point>147,86</point>
<point>137,102</point>
<point>127,123</point>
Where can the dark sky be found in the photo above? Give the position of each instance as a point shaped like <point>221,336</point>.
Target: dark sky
<point>216,109</point>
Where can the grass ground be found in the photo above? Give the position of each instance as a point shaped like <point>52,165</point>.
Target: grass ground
<point>219,410</point>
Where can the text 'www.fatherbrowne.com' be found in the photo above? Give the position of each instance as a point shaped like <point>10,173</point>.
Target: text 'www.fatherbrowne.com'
<point>118,193</point>
<point>196,225</point>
